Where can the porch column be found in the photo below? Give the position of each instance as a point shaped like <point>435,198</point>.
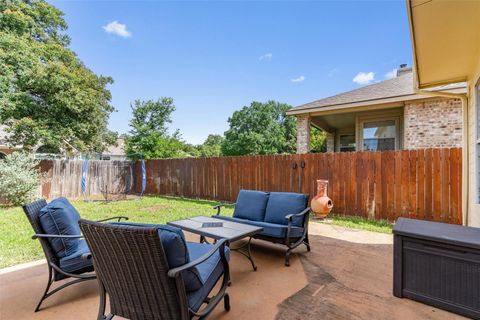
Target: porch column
<point>330,142</point>
<point>303,133</point>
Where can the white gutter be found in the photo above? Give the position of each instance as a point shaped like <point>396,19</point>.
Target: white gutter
<point>464,98</point>
<point>465,147</point>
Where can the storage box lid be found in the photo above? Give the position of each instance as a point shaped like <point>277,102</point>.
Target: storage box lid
<point>439,232</point>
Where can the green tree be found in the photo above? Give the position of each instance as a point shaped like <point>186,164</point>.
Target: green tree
<point>47,95</point>
<point>261,128</point>
<point>20,178</point>
<point>149,137</point>
<point>318,140</point>
<point>212,147</point>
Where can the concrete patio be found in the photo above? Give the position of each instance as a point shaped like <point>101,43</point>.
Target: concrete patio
<point>347,275</point>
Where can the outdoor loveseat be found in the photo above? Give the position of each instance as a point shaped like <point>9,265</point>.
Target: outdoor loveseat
<point>282,215</point>
<point>151,272</point>
<point>56,227</point>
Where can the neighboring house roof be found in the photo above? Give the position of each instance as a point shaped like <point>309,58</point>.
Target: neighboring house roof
<point>397,89</point>
<point>116,150</point>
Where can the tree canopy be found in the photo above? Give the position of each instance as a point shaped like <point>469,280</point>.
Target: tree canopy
<point>261,128</point>
<point>212,147</point>
<point>318,140</point>
<point>149,137</point>
<point>47,95</point>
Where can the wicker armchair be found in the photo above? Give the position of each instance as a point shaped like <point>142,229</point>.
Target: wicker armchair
<point>132,266</point>
<point>80,268</point>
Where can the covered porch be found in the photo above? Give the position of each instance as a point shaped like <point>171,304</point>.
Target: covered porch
<point>358,130</point>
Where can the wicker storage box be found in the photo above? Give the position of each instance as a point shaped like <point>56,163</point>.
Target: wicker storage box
<point>438,264</point>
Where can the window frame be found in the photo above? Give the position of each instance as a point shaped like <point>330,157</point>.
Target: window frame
<point>361,122</point>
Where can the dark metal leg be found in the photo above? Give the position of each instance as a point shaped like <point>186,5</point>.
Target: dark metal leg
<point>247,254</point>
<point>101,308</point>
<point>45,294</point>
<point>203,239</point>
<point>50,282</point>
<point>226,302</point>
<point>287,257</point>
<point>306,242</point>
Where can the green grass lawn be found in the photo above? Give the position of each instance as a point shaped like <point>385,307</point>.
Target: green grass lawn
<point>17,246</point>
<point>355,222</point>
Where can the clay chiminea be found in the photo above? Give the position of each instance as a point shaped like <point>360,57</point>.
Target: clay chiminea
<point>321,203</point>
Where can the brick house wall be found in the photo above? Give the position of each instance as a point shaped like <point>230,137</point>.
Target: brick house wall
<point>330,142</point>
<point>433,123</point>
<point>303,134</point>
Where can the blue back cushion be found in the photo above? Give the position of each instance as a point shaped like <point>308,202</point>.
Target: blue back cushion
<point>61,218</point>
<point>281,204</point>
<point>175,247</point>
<point>251,205</point>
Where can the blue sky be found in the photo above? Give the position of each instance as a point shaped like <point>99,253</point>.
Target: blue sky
<point>215,57</point>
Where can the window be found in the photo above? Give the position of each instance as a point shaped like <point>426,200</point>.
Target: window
<point>379,135</point>
<point>347,142</point>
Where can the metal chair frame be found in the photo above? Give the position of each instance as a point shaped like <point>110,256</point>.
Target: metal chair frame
<point>55,272</point>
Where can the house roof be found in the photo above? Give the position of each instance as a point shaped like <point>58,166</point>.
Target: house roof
<point>445,39</point>
<point>399,88</point>
<point>116,150</point>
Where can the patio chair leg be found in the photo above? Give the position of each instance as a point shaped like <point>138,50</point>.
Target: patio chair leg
<point>45,294</point>
<point>226,302</point>
<point>101,308</point>
<point>287,257</point>
<point>307,243</point>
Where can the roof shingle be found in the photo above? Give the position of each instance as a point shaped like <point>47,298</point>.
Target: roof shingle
<point>396,87</point>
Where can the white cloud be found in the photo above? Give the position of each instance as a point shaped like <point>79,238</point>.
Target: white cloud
<point>266,56</point>
<point>391,74</point>
<point>118,29</point>
<point>363,78</point>
<point>298,79</point>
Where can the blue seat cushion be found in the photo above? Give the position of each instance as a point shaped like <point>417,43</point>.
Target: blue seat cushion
<point>176,251</point>
<point>269,229</point>
<point>59,217</point>
<point>76,261</point>
<point>251,205</point>
<point>281,204</point>
<point>210,272</point>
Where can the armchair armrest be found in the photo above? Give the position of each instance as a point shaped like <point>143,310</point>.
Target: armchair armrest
<point>219,245</point>
<point>220,205</point>
<point>289,217</point>
<point>113,218</point>
<point>39,235</point>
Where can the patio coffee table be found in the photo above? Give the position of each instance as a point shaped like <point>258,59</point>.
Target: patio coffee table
<point>208,227</point>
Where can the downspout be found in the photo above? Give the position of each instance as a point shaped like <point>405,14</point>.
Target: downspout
<point>466,144</point>
<point>464,99</point>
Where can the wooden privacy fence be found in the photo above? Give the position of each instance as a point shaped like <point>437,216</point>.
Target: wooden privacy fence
<point>64,178</point>
<point>422,184</point>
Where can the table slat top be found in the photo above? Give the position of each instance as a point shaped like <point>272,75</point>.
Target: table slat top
<point>229,230</point>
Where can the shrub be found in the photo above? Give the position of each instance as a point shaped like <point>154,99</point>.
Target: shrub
<point>20,178</point>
